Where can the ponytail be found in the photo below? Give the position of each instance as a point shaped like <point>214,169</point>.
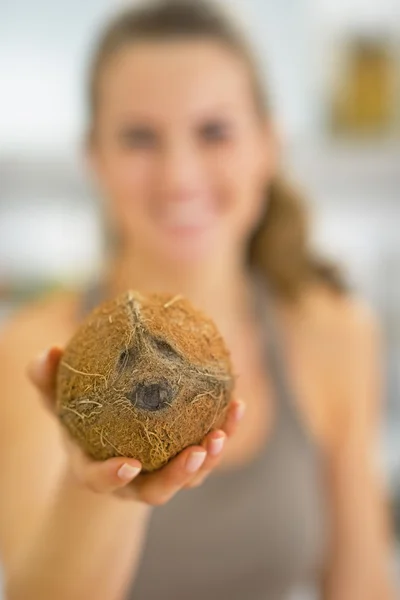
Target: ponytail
<point>279,248</point>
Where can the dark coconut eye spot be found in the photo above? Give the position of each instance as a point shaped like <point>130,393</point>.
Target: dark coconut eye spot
<point>151,396</point>
<point>126,359</point>
<point>165,349</point>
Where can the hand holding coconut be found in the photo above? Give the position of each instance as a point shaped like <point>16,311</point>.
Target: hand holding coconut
<point>142,391</point>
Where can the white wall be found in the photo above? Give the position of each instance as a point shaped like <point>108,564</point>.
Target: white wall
<point>44,47</point>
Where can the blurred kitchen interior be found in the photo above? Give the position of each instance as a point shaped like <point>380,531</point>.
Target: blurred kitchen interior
<point>334,73</point>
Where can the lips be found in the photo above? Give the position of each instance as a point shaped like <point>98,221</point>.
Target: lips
<point>190,215</point>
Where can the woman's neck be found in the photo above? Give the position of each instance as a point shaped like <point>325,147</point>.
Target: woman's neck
<point>220,288</point>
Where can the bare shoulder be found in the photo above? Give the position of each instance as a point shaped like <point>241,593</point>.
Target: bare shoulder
<point>342,319</point>
<point>27,333</point>
<point>30,441</point>
<point>339,346</point>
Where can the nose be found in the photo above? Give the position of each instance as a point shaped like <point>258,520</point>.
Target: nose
<point>181,170</point>
<point>151,396</point>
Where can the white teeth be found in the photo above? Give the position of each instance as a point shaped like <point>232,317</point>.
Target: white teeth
<point>187,215</point>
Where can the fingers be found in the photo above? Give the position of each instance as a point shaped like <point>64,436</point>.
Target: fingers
<point>42,371</point>
<point>102,477</point>
<point>191,467</point>
<point>122,475</point>
<point>235,414</point>
<point>159,487</point>
<point>110,475</point>
<point>214,444</point>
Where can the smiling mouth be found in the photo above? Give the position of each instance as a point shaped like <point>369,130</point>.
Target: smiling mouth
<point>191,215</point>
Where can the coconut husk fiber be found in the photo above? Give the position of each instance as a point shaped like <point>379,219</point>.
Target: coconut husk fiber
<point>144,376</point>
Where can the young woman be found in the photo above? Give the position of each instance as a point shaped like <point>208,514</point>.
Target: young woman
<point>183,150</point>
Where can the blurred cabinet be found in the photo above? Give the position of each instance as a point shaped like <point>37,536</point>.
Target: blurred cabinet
<point>363,97</point>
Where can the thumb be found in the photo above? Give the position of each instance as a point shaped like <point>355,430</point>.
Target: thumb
<point>42,371</point>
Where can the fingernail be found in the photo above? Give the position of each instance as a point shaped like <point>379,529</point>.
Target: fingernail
<point>35,367</point>
<point>42,358</point>
<point>127,472</point>
<point>216,445</point>
<point>240,410</point>
<point>195,461</point>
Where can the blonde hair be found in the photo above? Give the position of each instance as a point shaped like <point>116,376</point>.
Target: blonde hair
<point>279,247</point>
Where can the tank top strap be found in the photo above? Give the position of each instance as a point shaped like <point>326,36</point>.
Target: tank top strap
<point>273,343</point>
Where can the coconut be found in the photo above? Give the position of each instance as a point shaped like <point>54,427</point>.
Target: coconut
<point>144,377</point>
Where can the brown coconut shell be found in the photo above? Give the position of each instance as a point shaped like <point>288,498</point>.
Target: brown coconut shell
<point>144,376</point>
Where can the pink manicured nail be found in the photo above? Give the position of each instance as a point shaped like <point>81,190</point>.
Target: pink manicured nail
<point>127,472</point>
<point>216,445</point>
<point>41,359</point>
<point>195,461</point>
<point>240,410</point>
<point>36,366</point>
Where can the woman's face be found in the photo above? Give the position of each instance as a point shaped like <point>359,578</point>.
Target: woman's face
<point>180,151</point>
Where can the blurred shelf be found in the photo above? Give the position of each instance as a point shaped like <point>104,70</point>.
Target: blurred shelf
<point>6,309</point>
<point>27,177</point>
<point>368,167</point>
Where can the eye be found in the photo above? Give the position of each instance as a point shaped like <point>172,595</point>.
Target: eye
<point>215,131</point>
<point>165,348</point>
<point>138,137</point>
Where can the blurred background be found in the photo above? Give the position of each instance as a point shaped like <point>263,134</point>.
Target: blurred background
<point>334,73</point>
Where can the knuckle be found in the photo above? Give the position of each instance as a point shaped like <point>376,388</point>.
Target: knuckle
<point>158,497</point>
<point>126,494</point>
<point>93,487</point>
<point>195,484</point>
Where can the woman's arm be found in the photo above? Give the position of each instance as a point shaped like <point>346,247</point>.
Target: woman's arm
<point>88,546</point>
<point>58,539</point>
<point>70,527</point>
<point>360,567</point>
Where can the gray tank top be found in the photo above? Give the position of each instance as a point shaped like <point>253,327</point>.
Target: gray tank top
<point>259,532</point>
